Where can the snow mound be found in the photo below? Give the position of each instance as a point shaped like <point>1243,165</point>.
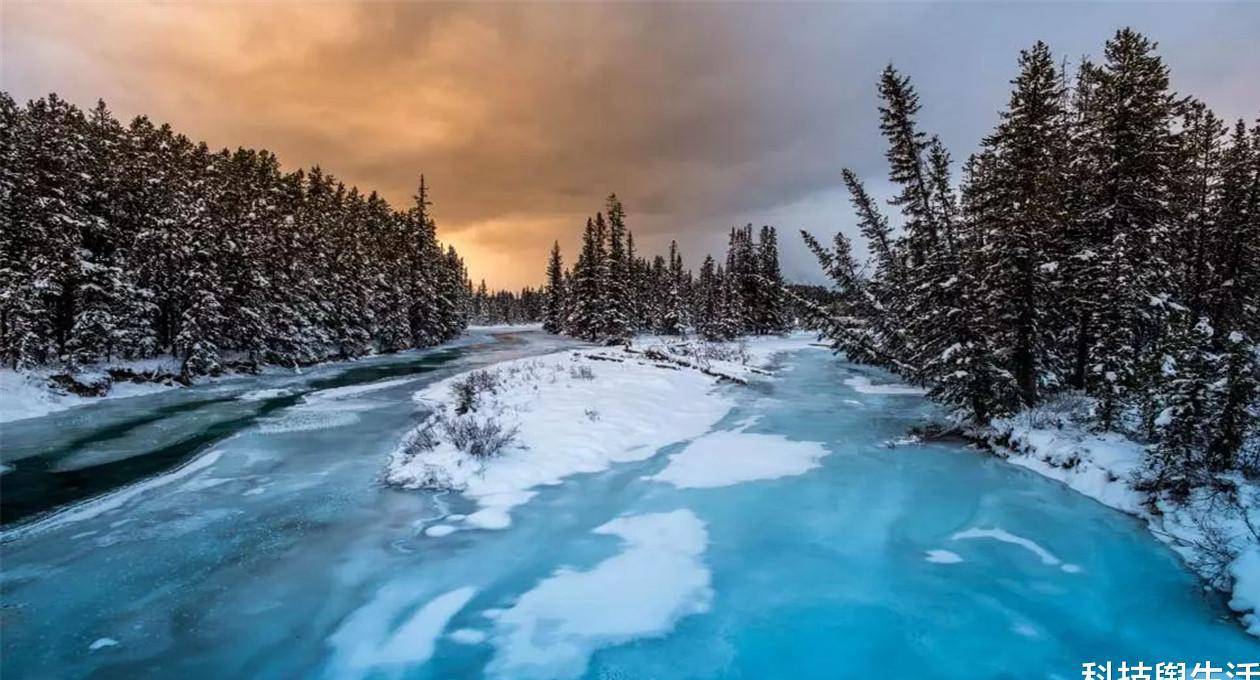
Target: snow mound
<point>727,458</point>
<point>552,630</point>
<point>572,413</point>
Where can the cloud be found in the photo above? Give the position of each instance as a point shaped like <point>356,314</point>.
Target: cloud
<point>524,116</point>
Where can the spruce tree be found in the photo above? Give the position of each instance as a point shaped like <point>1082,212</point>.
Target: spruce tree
<point>554,295</point>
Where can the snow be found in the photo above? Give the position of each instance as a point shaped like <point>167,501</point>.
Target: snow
<point>505,327</point>
<point>578,411</point>
<point>101,643</point>
<point>1245,571</point>
<point>1031,546</point>
<point>863,384</point>
<point>468,636</point>
<point>27,395</point>
<point>942,557</point>
<point>364,645</point>
<point>726,458</point>
<point>659,578</point>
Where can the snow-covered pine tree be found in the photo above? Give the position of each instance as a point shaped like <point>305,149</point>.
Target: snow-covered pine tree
<point>707,307</point>
<point>772,314</point>
<point>589,276</point>
<point>674,319</point>
<point>1023,220</point>
<point>554,294</point>
<point>618,324</point>
<point>1128,146</point>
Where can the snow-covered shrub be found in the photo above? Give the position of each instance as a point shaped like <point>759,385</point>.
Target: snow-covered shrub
<point>468,390</point>
<point>1058,410</point>
<point>419,440</point>
<point>478,437</point>
<point>581,372</point>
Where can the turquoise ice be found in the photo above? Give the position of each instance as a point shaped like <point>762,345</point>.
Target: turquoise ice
<point>273,552</point>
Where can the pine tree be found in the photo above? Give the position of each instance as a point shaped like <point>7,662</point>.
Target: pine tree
<point>1129,147</point>
<point>772,314</point>
<point>586,318</point>
<point>674,319</point>
<point>617,311</point>
<point>1024,222</point>
<point>554,317</point>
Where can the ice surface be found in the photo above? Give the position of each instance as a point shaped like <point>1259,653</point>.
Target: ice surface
<point>330,574</point>
<point>725,458</point>
<point>657,579</point>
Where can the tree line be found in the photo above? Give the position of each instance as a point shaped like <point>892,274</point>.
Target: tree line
<point>1104,240</point>
<point>505,307</point>
<point>134,241</point>
<point>611,293</point>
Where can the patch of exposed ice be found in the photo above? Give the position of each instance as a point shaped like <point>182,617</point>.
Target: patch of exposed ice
<point>113,500</point>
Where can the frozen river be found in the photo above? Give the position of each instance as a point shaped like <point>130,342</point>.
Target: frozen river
<point>239,530</point>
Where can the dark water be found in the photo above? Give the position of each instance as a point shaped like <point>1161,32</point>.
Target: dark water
<point>151,434</point>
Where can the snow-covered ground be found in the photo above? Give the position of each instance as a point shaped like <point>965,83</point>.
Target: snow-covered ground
<point>26,394</point>
<point>580,411</point>
<point>1216,539</point>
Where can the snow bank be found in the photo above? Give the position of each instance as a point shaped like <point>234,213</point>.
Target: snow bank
<point>1104,466</point>
<point>27,394</point>
<point>863,384</point>
<point>659,578</point>
<point>726,458</point>
<point>573,412</point>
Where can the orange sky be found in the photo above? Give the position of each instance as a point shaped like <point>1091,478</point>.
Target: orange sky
<point>524,116</point>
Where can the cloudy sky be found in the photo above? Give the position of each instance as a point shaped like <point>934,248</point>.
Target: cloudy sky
<point>524,116</point>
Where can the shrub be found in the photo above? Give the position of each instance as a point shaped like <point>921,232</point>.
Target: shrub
<point>581,372</point>
<point>479,438</point>
<point>468,390</point>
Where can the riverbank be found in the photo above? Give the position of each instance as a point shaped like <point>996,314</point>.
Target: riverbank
<point>46,390</point>
<point>1216,531</point>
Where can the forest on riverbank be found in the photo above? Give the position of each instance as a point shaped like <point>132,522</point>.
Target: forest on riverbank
<point>1103,246</point>
<point>126,242</point>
